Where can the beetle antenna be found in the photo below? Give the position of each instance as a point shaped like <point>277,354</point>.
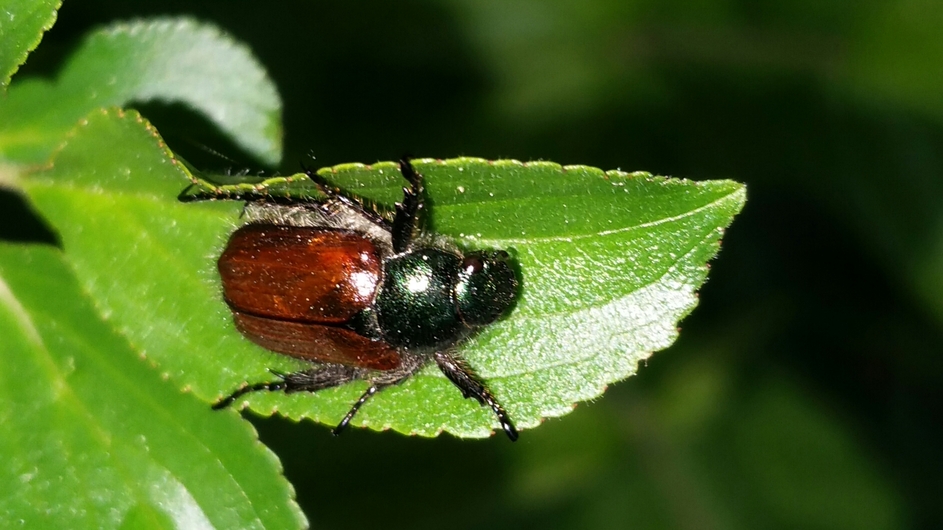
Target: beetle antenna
<point>271,386</point>
<point>353,410</point>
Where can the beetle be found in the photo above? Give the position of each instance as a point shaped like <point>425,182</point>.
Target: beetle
<point>360,293</point>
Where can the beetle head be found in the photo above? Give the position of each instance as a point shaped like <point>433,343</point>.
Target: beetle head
<point>486,287</point>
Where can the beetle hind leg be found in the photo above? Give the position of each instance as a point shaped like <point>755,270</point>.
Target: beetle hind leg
<point>326,376</point>
<point>325,187</point>
<point>337,198</point>
<point>271,386</point>
<point>329,376</point>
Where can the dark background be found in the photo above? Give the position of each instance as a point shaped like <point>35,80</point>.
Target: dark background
<point>805,390</point>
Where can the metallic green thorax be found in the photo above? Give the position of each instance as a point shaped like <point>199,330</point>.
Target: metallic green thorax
<point>431,298</point>
<point>414,307</point>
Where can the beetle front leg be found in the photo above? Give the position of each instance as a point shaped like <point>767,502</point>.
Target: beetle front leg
<point>472,387</point>
<point>406,224</point>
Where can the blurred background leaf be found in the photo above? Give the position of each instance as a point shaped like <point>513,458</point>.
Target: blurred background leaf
<point>806,388</point>
<point>163,60</point>
<point>22,24</point>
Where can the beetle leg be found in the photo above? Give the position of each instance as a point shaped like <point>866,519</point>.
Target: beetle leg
<point>332,192</point>
<point>354,409</point>
<point>188,195</point>
<point>336,196</point>
<point>321,377</point>
<point>471,386</point>
<point>325,376</point>
<point>185,196</point>
<point>409,364</point>
<point>406,224</point>
<point>270,386</point>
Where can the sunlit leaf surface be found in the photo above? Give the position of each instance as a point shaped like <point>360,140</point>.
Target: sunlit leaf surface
<point>610,262</point>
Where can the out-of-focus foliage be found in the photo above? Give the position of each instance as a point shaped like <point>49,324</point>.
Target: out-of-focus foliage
<point>162,59</point>
<point>805,390</point>
<point>22,26</point>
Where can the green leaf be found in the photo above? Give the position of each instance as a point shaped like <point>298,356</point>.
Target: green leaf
<point>610,263</point>
<point>22,24</point>
<point>168,60</point>
<point>92,438</point>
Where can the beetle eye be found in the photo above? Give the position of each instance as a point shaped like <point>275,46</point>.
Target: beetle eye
<point>473,265</point>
